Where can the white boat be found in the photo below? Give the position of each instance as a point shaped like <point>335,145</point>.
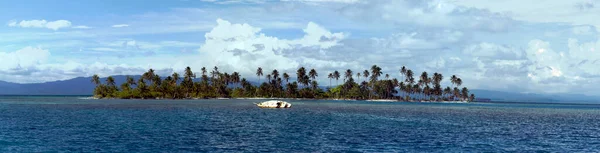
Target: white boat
<point>274,104</point>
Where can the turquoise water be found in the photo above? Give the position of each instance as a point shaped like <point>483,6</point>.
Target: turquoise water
<point>71,124</point>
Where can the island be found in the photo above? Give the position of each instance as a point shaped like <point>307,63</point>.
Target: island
<point>369,85</point>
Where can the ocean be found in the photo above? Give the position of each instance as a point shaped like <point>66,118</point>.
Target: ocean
<point>76,124</point>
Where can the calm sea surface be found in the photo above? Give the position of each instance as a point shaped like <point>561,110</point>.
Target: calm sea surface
<point>71,124</point>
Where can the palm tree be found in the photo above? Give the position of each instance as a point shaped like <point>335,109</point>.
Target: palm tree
<point>402,87</point>
<point>203,70</point>
<point>313,74</point>
<point>336,75</point>
<point>96,79</point>
<point>129,80</point>
<point>275,74</point>
<point>472,98</point>
<point>142,88</point>
<point>300,76</point>
<point>286,77</point>
<point>409,77</point>
<point>188,82</point>
<point>427,92</point>
<point>447,91</point>
<point>418,90</point>
<point>458,82</point>
<point>269,77</point>
<point>314,86</point>
<point>330,76</point>
<point>175,77</point>
<point>424,79</point>
<point>409,89</point>
<point>148,75</point>
<point>465,93</point>
<point>110,81</point>
<point>306,80</point>
<point>214,74</point>
<point>226,78</point>
<point>375,73</point>
<point>456,93</point>
<point>403,71</point>
<point>188,73</point>
<point>437,78</point>
<point>259,72</point>
<point>366,74</point>
<point>235,78</point>
<point>387,76</point>
<point>348,75</point>
<point>453,79</point>
<point>358,76</point>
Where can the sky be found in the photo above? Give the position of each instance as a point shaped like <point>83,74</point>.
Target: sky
<point>527,46</point>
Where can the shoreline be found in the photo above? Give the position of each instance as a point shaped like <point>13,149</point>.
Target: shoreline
<point>274,98</point>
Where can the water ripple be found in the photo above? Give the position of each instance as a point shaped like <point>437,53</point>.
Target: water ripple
<point>85,125</point>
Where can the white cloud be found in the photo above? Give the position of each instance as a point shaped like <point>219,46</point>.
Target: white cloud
<point>106,49</point>
<point>30,65</point>
<point>33,23</point>
<point>547,63</point>
<point>120,25</point>
<point>236,1</point>
<point>54,25</point>
<point>571,12</point>
<point>81,27</point>
<point>232,47</point>
<point>428,13</point>
<point>243,48</point>
<point>12,23</point>
<point>26,57</point>
<point>323,1</point>
<point>490,50</point>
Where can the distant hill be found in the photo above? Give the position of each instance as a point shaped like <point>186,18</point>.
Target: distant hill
<point>500,96</point>
<point>75,86</point>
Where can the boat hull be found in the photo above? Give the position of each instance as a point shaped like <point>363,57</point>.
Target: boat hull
<point>274,104</point>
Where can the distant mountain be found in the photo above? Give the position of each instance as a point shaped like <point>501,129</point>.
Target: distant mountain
<point>75,86</point>
<point>500,96</point>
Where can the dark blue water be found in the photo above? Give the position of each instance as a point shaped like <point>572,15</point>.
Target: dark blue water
<point>41,124</point>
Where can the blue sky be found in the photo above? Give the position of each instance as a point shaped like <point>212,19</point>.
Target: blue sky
<point>511,45</point>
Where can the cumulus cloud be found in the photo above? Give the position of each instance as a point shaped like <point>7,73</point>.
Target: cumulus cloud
<point>30,65</point>
<point>54,25</point>
<point>540,67</point>
<point>24,58</point>
<point>231,46</point>
<point>243,47</point>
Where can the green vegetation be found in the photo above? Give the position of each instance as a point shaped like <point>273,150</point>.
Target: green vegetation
<point>224,85</point>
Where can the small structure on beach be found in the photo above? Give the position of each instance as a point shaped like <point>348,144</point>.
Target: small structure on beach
<point>274,104</point>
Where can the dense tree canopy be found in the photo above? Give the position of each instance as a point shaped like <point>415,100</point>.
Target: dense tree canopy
<point>225,85</point>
